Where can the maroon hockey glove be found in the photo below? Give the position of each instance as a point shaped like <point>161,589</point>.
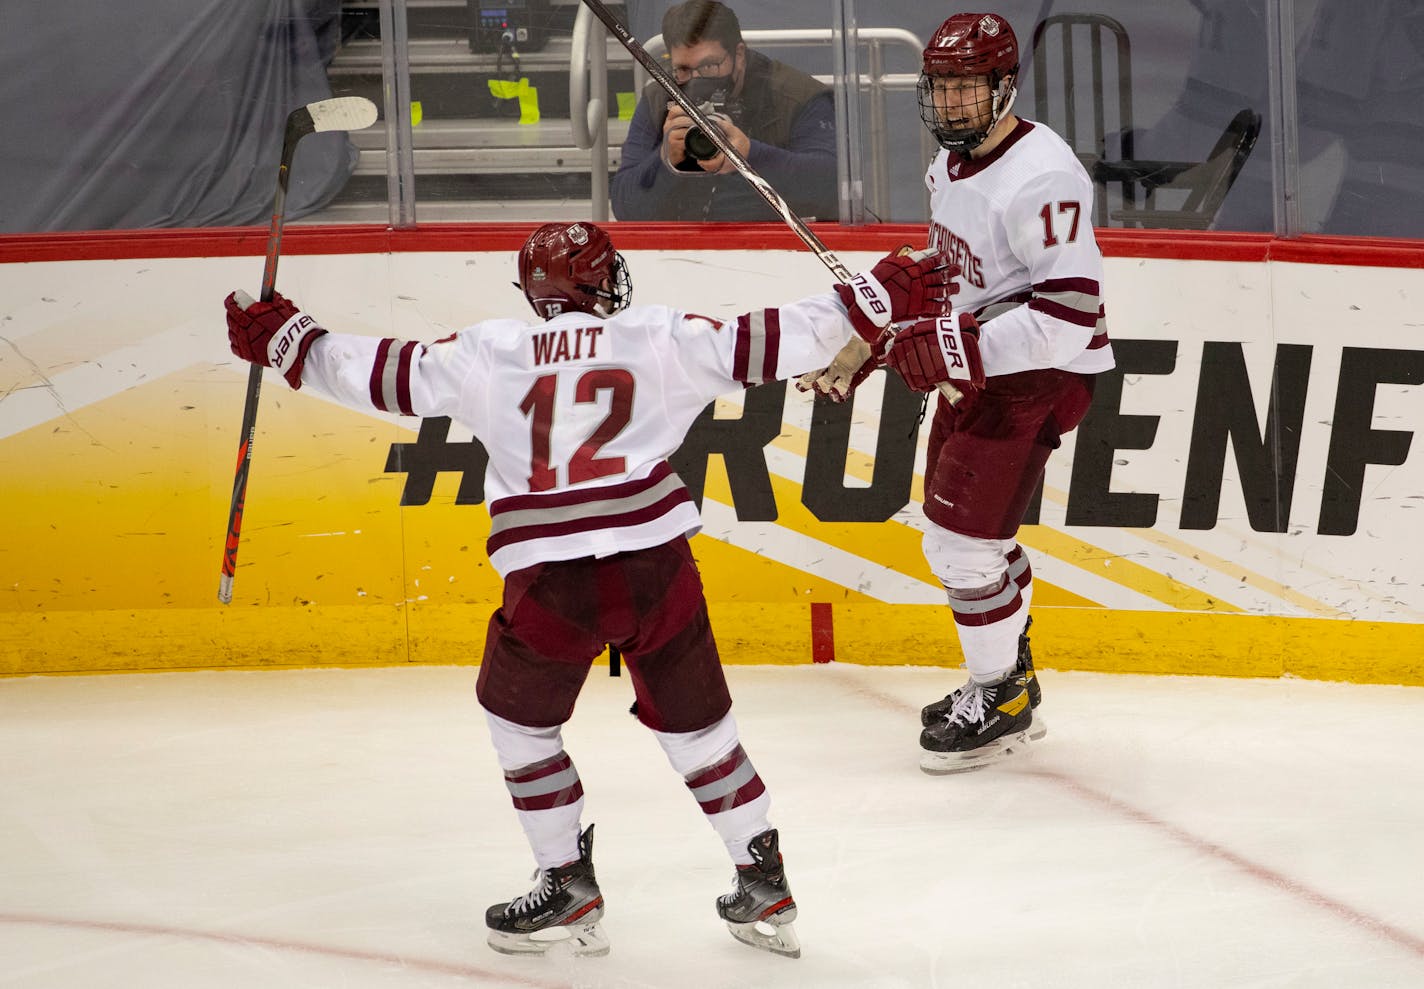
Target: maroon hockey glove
<point>273,334</point>
<point>900,287</point>
<point>935,350</point>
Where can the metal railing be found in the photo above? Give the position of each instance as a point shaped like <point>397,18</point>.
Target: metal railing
<point>400,154</point>
<point>588,87</point>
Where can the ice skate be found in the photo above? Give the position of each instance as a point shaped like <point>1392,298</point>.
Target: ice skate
<point>760,909</point>
<point>562,911</point>
<point>939,710</point>
<point>987,723</point>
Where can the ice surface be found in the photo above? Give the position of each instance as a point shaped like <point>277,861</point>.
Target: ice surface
<point>349,827</point>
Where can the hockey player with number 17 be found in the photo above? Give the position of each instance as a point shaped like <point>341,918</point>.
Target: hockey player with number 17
<point>589,528</point>
<point>1010,205</point>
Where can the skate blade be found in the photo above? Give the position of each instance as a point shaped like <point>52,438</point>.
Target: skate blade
<point>779,939</point>
<point>580,940</point>
<point>952,763</point>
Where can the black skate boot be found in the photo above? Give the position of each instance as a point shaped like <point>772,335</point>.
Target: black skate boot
<point>987,723</point>
<point>939,710</point>
<point>563,909</point>
<point>759,911</point>
<point>1024,667</point>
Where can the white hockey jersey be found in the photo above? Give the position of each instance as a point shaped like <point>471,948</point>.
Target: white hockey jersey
<point>1018,223</point>
<point>579,414</point>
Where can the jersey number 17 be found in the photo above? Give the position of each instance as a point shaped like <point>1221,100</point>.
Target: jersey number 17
<point>1069,207</point>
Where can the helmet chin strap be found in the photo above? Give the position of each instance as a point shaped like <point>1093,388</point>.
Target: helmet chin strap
<point>607,303</point>
<point>1000,112</point>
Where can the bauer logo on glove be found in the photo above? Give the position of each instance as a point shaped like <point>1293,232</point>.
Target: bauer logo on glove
<point>935,350</point>
<point>900,287</point>
<point>287,337</point>
<point>952,345</point>
<point>873,298</point>
<point>274,334</point>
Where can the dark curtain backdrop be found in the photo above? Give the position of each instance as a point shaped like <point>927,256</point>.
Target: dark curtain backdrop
<point>161,113</point>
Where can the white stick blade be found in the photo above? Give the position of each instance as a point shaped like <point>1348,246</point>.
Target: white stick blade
<point>342,113</point>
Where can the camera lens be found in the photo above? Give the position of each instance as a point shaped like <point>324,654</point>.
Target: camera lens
<point>699,146</point>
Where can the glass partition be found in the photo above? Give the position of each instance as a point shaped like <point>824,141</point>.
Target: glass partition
<point>1359,108</point>
<point>1163,102</point>
<point>1285,116</point>
<point>488,132</point>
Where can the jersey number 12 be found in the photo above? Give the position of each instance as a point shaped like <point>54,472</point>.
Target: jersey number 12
<point>585,464</point>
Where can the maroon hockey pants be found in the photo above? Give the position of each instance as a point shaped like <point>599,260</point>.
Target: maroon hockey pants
<point>986,455</point>
<point>557,618</point>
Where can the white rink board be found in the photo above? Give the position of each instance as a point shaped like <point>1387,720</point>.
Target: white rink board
<point>77,330</point>
<point>100,338</point>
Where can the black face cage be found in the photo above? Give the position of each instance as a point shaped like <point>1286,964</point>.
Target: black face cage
<point>966,137</point>
<point>616,298</point>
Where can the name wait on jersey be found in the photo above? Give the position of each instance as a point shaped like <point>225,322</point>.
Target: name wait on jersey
<point>567,344</point>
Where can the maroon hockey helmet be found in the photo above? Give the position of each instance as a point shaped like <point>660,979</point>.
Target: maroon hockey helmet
<point>568,267</point>
<point>972,45</point>
<point>969,45</point>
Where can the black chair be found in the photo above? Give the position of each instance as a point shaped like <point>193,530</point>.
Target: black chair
<point>1203,184</point>
<point>1082,82</point>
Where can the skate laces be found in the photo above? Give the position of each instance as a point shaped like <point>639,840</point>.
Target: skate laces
<point>727,899</point>
<point>744,882</point>
<point>536,897</point>
<point>968,706</point>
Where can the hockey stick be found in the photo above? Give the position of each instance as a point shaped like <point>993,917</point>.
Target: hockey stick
<point>344,113</point>
<point>762,187</point>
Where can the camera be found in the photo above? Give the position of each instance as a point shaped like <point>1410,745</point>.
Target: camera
<point>698,145</point>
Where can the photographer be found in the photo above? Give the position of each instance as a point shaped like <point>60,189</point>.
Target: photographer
<point>779,118</point>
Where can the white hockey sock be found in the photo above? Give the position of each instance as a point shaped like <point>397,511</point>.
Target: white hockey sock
<point>990,651</point>
<point>1021,573</point>
<point>722,781</point>
<point>989,583</point>
<point>544,786</point>
<point>989,620</point>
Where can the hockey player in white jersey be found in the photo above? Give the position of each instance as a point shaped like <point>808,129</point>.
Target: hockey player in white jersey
<point>589,529</point>
<point>1010,205</point>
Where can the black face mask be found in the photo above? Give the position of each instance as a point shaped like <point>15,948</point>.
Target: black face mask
<point>714,90</point>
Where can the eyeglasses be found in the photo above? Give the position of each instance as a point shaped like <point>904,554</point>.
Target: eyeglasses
<point>708,68</point>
